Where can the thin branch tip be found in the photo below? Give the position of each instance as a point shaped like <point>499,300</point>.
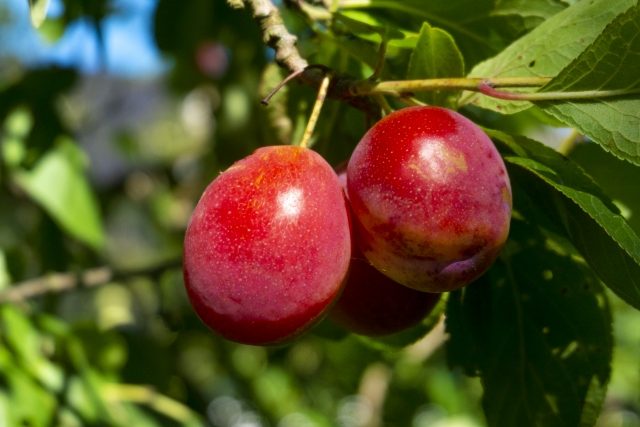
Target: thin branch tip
<point>235,4</point>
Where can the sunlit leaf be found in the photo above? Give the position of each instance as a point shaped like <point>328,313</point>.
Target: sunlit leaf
<point>436,56</point>
<point>59,185</point>
<point>38,10</point>
<point>26,341</point>
<point>538,9</point>
<point>5,277</point>
<point>547,49</point>
<point>610,63</point>
<point>25,394</point>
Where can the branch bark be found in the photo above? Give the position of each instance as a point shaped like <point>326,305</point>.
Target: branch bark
<point>276,36</point>
<point>59,282</point>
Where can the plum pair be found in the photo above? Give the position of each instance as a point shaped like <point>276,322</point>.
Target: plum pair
<point>269,245</point>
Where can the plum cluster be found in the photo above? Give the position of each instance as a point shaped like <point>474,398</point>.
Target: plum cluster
<point>280,239</point>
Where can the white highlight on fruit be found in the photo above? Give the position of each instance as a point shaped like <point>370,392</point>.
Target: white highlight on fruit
<point>290,202</point>
<point>431,157</point>
<point>437,160</point>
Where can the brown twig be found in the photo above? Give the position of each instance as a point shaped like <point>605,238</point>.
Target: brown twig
<point>276,36</point>
<point>287,79</point>
<point>58,282</point>
<point>236,4</point>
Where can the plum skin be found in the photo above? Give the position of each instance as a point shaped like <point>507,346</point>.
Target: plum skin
<point>373,304</point>
<point>432,198</point>
<point>268,246</point>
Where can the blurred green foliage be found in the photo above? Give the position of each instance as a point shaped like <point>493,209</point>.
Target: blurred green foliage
<point>105,171</point>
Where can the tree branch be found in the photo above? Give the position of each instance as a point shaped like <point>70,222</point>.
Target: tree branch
<point>58,282</point>
<point>276,36</point>
<point>236,4</point>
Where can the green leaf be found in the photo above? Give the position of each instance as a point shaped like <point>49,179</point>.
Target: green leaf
<point>546,50</point>
<point>436,56</point>
<point>537,330</point>
<point>59,185</point>
<point>463,21</point>
<point>79,396</point>
<point>26,342</point>
<point>578,206</point>
<point>24,395</point>
<point>609,63</point>
<point>397,342</point>
<point>536,9</point>
<point>38,9</point>
<point>275,123</point>
<point>5,277</point>
<point>368,27</point>
<point>619,179</point>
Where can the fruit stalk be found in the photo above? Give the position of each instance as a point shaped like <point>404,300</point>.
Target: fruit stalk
<point>315,113</point>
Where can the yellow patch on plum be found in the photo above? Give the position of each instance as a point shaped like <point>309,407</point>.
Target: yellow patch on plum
<point>437,161</point>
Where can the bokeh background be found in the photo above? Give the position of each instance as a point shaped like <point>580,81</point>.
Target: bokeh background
<point>114,116</point>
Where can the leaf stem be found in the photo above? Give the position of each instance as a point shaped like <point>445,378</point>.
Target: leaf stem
<point>488,90</point>
<point>383,103</point>
<point>380,64</point>
<point>399,87</point>
<point>315,113</point>
<point>486,86</point>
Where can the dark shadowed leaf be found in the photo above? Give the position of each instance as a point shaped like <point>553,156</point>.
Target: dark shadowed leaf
<point>619,179</point>
<point>537,330</point>
<point>577,205</point>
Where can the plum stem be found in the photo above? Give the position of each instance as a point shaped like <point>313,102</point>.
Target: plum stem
<point>315,113</point>
<point>568,144</point>
<point>411,101</point>
<point>380,99</point>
